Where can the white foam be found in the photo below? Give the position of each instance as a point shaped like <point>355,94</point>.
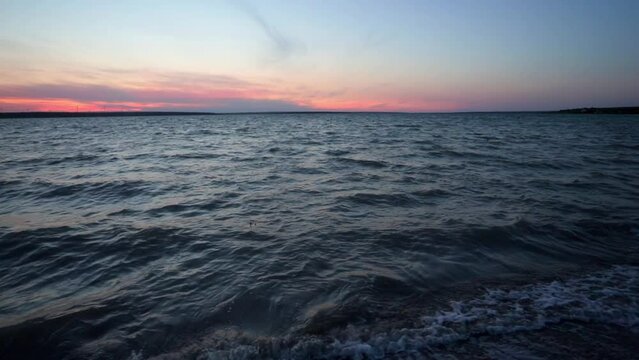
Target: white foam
<point>608,297</point>
<point>605,297</point>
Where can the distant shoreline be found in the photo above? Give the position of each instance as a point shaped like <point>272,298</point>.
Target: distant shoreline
<point>63,114</point>
<point>593,110</point>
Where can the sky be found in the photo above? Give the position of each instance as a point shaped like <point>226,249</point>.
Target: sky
<point>344,55</point>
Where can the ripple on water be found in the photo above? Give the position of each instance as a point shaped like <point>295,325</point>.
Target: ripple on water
<point>319,236</point>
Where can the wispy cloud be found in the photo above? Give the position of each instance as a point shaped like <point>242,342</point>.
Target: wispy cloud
<point>282,45</point>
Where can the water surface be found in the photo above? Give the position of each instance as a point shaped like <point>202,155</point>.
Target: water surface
<point>319,236</point>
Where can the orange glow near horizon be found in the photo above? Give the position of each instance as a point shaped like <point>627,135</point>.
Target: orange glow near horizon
<point>68,105</point>
<point>11,104</point>
<point>182,93</point>
<point>28,105</point>
<point>138,90</point>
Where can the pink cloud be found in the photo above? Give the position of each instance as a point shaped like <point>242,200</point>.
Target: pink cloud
<point>160,92</point>
<point>109,89</point>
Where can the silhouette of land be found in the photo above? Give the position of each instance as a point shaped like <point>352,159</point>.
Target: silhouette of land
<point>592,110</point>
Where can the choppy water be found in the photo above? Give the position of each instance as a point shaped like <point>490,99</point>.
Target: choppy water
<point>320,236</point>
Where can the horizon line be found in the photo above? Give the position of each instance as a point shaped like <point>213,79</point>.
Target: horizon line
<point>28,114</point>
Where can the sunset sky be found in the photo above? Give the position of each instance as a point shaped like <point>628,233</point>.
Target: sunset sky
<point>230,56</point>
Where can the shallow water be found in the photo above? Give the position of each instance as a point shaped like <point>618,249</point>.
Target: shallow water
<point>319,236</point>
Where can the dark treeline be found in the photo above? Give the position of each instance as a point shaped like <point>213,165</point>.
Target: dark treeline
<point>592,110</point>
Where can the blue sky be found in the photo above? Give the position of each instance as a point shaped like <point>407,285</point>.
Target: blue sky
<point>327,55</point>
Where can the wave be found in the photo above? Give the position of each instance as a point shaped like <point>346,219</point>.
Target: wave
<point>461,154</point>
<point>45,160</point>
<point>111,189</point>
<point>337,152</point>
<point>394,199</point>
<point>76,158</point>
<point>193,209</point>
<point>408,126</point>
<point>431,193</point>
<point>362,162</point>
<point>397,199</point>
<point>608,297</point>
<point>624,146</point>
<point>195,155</point>
<point>9,183</point>
<point>308,170</point>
